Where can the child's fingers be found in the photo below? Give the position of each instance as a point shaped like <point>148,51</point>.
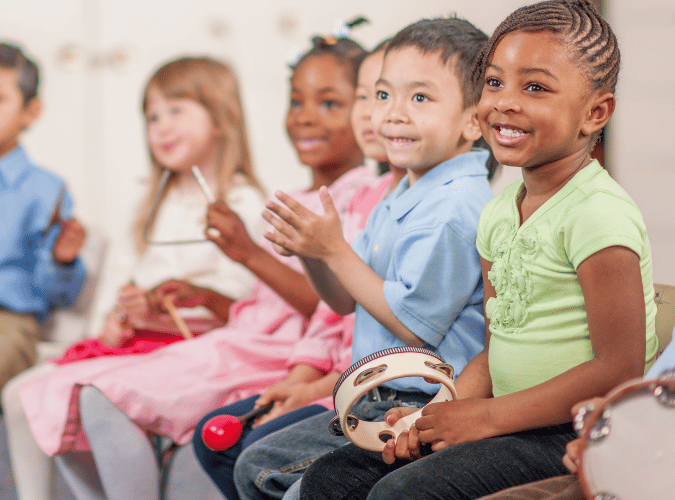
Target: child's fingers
<point>389,452</point>
<point>284,214</point>
<point>280,244</point>
<point>395,414</point>
<point>281,227</point>
<point>327,202</point>
<point>414,443</point>
<point>293,206</point>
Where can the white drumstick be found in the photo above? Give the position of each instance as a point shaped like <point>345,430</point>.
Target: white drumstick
<point>208,194</point>
<point>203,185</point>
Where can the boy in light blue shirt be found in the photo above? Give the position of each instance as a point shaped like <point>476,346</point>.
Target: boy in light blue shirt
<point>413,276</point>
<point>39,242</point>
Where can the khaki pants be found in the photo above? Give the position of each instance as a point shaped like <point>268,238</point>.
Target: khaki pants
<point>555,488</point>
<point>19,335</point>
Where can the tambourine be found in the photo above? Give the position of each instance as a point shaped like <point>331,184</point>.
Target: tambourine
<point>374,370</point>
<point>628,444</point>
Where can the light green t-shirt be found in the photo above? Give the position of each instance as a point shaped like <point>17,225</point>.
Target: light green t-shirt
<point>538,319</point>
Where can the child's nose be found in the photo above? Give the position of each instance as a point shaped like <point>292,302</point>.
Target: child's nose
<point>396,111</point>
<point>307,114</point>
<point>506,101</point>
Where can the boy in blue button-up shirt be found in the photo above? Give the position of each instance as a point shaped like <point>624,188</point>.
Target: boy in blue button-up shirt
<point>39,244</point>
<point>413,276</point>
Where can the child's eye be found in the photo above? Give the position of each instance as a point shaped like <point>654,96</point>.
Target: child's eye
<point>362,97</point>
<point>492,82</point>
<point>534,87</point>
<point>152,118</point>
<point>381,95</point>
<point>176,110</point>
<point>294,103</point>
<point>420,98</point>
<point>328,104</point>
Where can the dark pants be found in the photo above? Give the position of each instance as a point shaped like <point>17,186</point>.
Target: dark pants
<point>220,464</point>
<point>462,472</point>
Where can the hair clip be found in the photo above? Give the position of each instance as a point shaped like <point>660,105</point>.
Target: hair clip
<point>341,29</point>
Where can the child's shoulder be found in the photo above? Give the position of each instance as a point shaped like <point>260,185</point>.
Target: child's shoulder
<point>599,195</point>
<point>19,167</point>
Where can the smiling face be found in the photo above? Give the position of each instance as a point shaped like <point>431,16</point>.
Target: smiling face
<point>419,114</point>
<point>362,124</point>
<point>181,132</point>
<point>318,119</point>
<point>535,102</point>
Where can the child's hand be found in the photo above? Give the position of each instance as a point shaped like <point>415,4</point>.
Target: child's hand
<point>301,231</point>
<point>132,301</point>
<point>572,455</point>
<point>573,449</point>
<point>287,398</point>
<point>181,293</point>
<point>230,235</point>
<point>453,422</point>
<point>69,241</point>
<point>407,446</point>
<point>116,329</point>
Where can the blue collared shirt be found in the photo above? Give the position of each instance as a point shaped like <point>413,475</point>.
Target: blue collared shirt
<point>422,241</point>
<point>30,280</point>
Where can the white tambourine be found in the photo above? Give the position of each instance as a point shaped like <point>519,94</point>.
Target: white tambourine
<point>371,372</point>
<point>628,443</point>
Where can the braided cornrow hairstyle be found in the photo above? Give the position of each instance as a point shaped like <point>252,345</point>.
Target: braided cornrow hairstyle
<point>579,26</point>
<point>344,49</point>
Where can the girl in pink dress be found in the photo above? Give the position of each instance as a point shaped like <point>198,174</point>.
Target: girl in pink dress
<point>166,392</point>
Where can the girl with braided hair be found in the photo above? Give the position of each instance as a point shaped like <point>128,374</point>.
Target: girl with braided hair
<point>567,271</point>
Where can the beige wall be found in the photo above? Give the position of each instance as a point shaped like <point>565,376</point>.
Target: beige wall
<point>640,143</point>
<point>92,130</point>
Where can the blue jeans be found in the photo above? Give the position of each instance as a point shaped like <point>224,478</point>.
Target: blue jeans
<point>219,465</point>
<point>268,468</point>
<point>462,472</point>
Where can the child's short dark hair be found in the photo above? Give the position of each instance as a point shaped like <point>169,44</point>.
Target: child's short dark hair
<point>456,41</point>
<point>579,26</point>
<point>12,57</point>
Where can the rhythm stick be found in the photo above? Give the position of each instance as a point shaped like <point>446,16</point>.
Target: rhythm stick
<point>208,194</point>
<point>223,431</point>
<point>180,323</point>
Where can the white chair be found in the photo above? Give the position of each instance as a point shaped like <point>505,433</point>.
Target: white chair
<point>68,325</point>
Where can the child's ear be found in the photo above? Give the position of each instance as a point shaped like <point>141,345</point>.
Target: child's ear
<point>471,130</point>
<point>600,111</point>
<point>31,112</point>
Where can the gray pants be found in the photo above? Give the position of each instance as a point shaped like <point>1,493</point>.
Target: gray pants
<point>123,463</point>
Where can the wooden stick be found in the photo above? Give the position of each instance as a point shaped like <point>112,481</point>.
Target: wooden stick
<point>180,323</point>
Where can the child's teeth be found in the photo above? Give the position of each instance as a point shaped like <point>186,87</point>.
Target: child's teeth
<point>510,132</point>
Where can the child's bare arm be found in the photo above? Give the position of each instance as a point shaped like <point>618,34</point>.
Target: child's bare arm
<point>318,238</point>
<point>612,286</point>
<point>233,239</point>
<point>297,391</point>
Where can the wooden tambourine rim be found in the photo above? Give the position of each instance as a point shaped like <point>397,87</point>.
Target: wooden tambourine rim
<point>614,396</point>
<point>346,393</point>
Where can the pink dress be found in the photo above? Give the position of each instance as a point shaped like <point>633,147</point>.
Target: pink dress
<point>168,390</point>
<point>328,341</point>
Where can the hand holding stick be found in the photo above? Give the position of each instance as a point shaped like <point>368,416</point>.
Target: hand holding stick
<point>180,323</point>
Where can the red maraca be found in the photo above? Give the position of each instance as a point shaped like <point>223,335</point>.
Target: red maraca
<point>223,431</point>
